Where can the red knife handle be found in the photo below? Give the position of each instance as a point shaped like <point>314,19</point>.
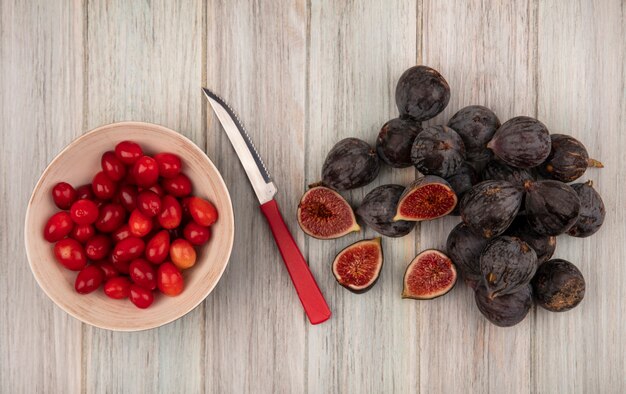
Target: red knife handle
<point>310,295</point>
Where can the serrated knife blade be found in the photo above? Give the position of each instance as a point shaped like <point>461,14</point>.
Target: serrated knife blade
<point>252,163</point>
<point>313,301</point>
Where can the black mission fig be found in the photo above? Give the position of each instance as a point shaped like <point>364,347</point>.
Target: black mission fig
<point>490,207</point>
<point>462,181</point>
<point>568,159</point>
<point>507,310</point>
<point>522,142</point>
<point>551,207</point>
<point>500,171</point>
<point>507,264</point>
<point>351,163</point>
<point>558,286</point>
<point>438,150</point>
<point>476,125</point>
<point>592,211</point>
<point>464,248</point>
<point>395,141</point>
<point>421,93</point>
<point>378,209</point>
<point>543,245</point>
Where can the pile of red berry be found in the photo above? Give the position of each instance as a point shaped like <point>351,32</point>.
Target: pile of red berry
<point>136,224</point>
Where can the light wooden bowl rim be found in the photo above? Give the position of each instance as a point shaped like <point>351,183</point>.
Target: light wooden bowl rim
<point>228,216</point>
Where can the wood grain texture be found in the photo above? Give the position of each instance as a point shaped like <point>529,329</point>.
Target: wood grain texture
<point>144,62</point>
<point>255,325</point>
<point>487,55</point>
<point>582,81</point>
<point>302,75</point>
<point>41,73</point>
<point>357,52</point>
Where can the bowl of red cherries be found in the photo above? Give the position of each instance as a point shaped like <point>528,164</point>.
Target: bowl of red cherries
<point>129,227</point>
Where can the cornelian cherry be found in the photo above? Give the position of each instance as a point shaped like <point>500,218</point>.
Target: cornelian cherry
<point>171,213</point>
<point>85,192</point>
<point>97,247</point>
<point>197,234</point>
<point>70,254</point>
<point>142,298</point>
<point>169,164</point>
<point>82,232</point>
<point>149,203</point>
<point>182,253</point>
<point>142,274</point>
<point>84,212</point>
<point>177,186</point>
<point>111,218</point>
<point>112,166</point>
<point>117,287</point>
<point>146,171</point>
<point>158,247</point>
<point>170,280</point>
<point>128,249</point>
<point>107,268</point>
<point>127,196</point>
<point>64,195</point>
<point>103,187</point>
<point>202,211</point>
<point>128,152</point>
<point>139,224</point>
<point>88,279</point>
<point>121,233</point>
<point>58,226</point>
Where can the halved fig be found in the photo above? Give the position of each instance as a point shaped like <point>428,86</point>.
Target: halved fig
<point>324,214</point>
<point>426,198</point>
<point>431,274</point>
<point>358,266</point>
<point>378,209</point>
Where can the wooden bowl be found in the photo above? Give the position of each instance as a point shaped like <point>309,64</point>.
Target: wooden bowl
<point>77,164</point>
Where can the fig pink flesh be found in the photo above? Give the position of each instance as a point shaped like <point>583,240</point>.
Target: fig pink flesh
<point>427,202</point>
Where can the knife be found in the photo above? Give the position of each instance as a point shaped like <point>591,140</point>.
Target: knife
<point>308,291</point>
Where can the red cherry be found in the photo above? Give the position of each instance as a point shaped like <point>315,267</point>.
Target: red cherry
<point>84,212</point>
<point>149,203</point>
<point>70,254</point>
<point>197,234</point>
<point>202,211</point>
<point>88,279</point>
<point>142,273</point>
<point>113,166</point>
<point>141,297</point>
<point>117,287</point>
<point>178,186</point>
<point>64,195</point>
<point>169,279</point>
<point>146,171</point>
<point>128,152</point>
<point>103,187</point>
<point>169,164</point>
<point>58,227</point>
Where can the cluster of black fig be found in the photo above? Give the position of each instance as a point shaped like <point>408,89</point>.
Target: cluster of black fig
<point>507,181</point>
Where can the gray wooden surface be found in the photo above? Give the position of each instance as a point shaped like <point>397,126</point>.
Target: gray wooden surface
<point>304,74</point>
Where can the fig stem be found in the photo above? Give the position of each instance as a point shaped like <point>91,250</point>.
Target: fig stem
<point>315,184</point>
<point>594,163</point>
<point>589,182</point>
<point>528,184</point>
